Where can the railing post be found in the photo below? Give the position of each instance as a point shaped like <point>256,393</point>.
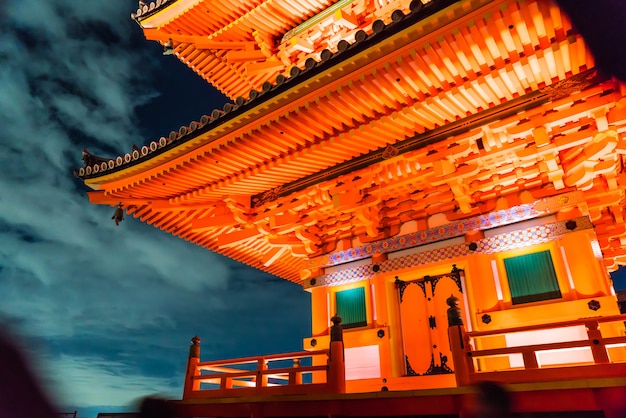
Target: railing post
<point>295,377</point>
<point>598,349</point>
<point>261,378</point>
<point>226,383</point>
<point>459,343</point>
<point>192,368</point>
<point>530,360</point>
<point>336,358</point>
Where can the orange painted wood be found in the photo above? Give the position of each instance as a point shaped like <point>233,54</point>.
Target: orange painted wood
<point>582,321</point>
<point>425,82</point>
<point>526,399</point>
<point>553,374</point>
<point>267,373</point>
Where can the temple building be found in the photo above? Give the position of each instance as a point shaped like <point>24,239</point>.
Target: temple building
<point>445,178</point>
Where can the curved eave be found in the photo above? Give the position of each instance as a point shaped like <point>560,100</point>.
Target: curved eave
<point>201,29</point>
<point>161,12</point>
<point>266,105</point>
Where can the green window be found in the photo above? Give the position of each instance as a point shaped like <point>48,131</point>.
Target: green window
<point>351,307</point>
<point>532,278</point>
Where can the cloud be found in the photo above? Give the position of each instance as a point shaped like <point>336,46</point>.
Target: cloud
<point>107,311</point>
<point>92,379</point>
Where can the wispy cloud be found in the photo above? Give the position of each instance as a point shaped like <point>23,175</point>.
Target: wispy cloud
<point>92,379</point>
<point>108,309</point>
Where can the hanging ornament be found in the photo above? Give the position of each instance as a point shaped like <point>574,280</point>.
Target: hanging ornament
<point>118,216</point>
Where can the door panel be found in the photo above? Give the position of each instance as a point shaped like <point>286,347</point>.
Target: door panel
<point>415,329</point>
<point>423,313</point>
<point>444,288</point>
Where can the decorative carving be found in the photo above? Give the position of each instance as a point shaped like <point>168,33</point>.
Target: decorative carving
<point>389,152</point>
<point>571,85</point>
<point>433,283</point>
<point>432,280</point>
<point>409,369</point>
<point>401,287</point>
<point>455,275</point>
<point>441,368</point>
<point>422,285</point>
<point>267,196</point>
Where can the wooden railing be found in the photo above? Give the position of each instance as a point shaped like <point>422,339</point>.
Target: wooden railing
<point>224,377</point>
<point>465,356</point>
<point>276,374</point>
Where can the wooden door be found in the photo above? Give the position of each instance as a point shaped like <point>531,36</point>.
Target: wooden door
<point>423,314</point>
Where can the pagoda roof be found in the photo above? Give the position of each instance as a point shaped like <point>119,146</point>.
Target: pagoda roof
<point>483,99</point>
<point>230,43</point>
<point>299,79</point>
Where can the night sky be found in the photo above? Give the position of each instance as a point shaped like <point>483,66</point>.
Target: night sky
<point>105,313</point>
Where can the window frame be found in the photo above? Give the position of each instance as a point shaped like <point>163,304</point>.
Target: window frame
<point>366,307</point>
<point>548,278</point>
<point>559,270</point>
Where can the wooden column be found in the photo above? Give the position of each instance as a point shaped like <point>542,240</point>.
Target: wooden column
<point>192,368</point>
<point>336,378</point>
<point>459,344</point>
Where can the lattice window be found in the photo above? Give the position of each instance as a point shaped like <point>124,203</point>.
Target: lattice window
<point>532,278</point>
<point>351,308</point>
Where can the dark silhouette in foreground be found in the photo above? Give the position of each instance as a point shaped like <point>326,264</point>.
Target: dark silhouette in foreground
<point>153,407</point>
<point>601,23</point>
<point>20,394</point>
<point>490,400</point>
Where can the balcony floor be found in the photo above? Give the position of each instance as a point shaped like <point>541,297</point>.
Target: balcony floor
<point>602,397</point>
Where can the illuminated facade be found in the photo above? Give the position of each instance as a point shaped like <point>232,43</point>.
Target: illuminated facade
<point>387,155</point>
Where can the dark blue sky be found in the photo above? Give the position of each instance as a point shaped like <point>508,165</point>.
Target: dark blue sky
<point>105,312</point>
